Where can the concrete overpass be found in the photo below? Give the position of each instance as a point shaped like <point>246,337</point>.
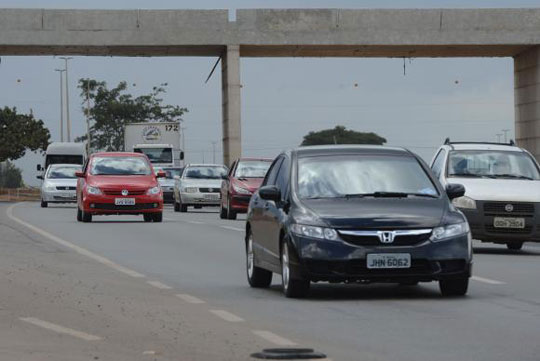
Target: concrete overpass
<point>290,33</point>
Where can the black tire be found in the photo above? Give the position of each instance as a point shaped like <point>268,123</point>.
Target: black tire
<point>230,213</point>
<point>176,206</point>
<point>294,286</point>
<point>148,217</point>
<point>158,217</point>
<point>79,214</point>
<point>454,287</point>
<point>514,246</point>
<point>86,217</point>
<point>44,204</point>
<point>223,213</point>
<point>257,277</point>
<point>182,207</point>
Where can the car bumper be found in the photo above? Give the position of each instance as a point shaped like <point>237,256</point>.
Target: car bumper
<point>481,224</point>
<point>59,196</point>
<point>205,199</point>
<point>240,203</point>
<point>103,204</point>
<point>338,261</point>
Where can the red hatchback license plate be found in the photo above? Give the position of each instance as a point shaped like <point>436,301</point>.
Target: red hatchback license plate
<point>124,201</point>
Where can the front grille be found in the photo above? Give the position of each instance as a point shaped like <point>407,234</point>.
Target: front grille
<point>500,208</point>
<point>62,188</point>
<point>113,207</point>
<point>209,190</point>
<point>118,192</point>
<point>526,230</point>
<point>403,240</point>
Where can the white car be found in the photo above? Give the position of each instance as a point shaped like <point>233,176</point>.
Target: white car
<point>59,184</point>
<point>502,189</point>
<point>198,186</point>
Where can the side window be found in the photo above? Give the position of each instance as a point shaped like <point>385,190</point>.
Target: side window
<point>271,175</point>
<point>438,163</point>
<point>282,179</point>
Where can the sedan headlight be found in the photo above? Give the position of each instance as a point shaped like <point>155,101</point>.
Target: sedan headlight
<point>93,190</point>
<point>315,232</point>
<point>50,187</point>
<point>464,202</point>
<point>191,189</point>
<point>449,231</point>
<point>153,190</point>
<point>240,190</point>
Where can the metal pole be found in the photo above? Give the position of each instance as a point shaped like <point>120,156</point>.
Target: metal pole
<point>61,103</point>
<point>68,120</point>
<point>88,138</point>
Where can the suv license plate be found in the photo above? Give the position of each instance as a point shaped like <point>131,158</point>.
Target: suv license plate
<point>509,222</point>
<point>124,201</point>
<point>212,197</point>
<point>388,260</point>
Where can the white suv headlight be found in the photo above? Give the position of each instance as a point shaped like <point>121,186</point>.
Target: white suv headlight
<point>449,231</point>
<point>93,190</point>
<point>315,232</point>
<point>153,190</point>
<point>240,190</point>
<point>464,202</point>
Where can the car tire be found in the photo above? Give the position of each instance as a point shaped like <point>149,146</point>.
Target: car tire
<point>514,246</point>
<point>257,277</point>
<point>148,217</point>
<point>176,206</point>
<point>454,287</point>
<point>293,285</point>
<point>86,217</point>
<point>79,214</point>
<point>230,213</point>
<point>182,207</point>
<point>223,213</point>
<point>158,217</point>
<point>44,204</point>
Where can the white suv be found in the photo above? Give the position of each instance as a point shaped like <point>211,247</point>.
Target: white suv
<point>502,189</point>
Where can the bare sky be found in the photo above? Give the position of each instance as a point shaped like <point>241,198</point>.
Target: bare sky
<point>283,99</point>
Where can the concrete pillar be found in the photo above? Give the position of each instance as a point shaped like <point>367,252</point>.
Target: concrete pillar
<point>527,100</point>
<point>230,90</point>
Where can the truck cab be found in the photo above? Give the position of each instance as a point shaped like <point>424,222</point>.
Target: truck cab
<point>160,155</point>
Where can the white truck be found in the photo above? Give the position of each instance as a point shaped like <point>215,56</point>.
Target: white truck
<point>160,141</point>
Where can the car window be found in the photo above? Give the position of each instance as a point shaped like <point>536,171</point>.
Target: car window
<point>120,166</point>
<point>437,165</point>
<point>282,179</point>
<point>205,172</point>
<point>270,178</point>
<point>251,169</point>
<point>232,169</point>
<point>67,172</point>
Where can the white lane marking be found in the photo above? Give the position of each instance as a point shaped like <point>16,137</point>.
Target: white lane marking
<point>227,316</point>
<point>149,352</point>
<point>189,298</point>
<point>194,222</point>
<point>74,247</point>
<point>60,329</point>
<point>167,219</point>
<point>487,280</point>
<point>233,228</point>
<point>273,338</point>
<point>157,284</point>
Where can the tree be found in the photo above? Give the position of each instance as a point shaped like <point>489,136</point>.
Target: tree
<point>20,132</point>
<point>341,135</point>
<point>10,176</point>
<point>113,108</point>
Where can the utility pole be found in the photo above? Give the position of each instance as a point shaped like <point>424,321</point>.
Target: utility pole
<point>505,131</point>
<point>61,71</point>
<point>88,138</point>
<point>214,152</point>
<point>68,120</point>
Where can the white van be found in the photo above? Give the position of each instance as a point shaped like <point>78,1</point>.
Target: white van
<point>64,153</point>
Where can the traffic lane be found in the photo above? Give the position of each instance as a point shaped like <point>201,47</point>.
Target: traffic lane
<point>343,320</point>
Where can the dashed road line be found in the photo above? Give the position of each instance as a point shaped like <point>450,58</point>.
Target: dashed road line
<point>273,338</point>
<point>227,316</point>
<point>194,222</point>
<point>157,284</point>
<point>233,228</point>
<point>189,298</point>
<point>74,247</point>
<point>60,329</point>
<point>487,280</point>
<point>149,352</point>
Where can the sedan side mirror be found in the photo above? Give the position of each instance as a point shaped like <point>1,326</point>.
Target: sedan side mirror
<point>455,190</point>
<point>79,174</point>
<point>161,174</point>
<point>38,167</point>
<point>270,193</point>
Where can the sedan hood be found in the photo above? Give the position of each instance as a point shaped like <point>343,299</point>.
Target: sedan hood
<point>504,190</point>
<point>377,213</point>
<point>202,183</point>
<point>251,184</point>
<point>61,182</point>
<point>121,182</point>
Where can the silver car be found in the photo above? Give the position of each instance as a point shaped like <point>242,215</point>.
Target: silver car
<point>167,183</point>
<point>59,184</point>
<point>198,186</point>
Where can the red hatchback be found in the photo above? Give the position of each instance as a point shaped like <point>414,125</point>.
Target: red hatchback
<point>119,183</point>
<point>244,178</point>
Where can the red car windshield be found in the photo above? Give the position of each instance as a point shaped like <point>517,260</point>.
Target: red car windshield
<point>119,166</point>
<point>252,169</point>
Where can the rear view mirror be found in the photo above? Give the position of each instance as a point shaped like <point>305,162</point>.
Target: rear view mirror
<point>79,174</point>
<point>181,155</point>
<point>161,174</point>
<point>38,167</point>
<point>270,193</point>
<point>455,190</point>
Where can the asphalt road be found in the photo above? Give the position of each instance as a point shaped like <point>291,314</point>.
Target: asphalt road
<point>201,257</point>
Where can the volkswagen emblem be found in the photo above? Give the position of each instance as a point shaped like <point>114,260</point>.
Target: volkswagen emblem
<point>386,236</point>
<point>509,207</point>
<point>125,192</point>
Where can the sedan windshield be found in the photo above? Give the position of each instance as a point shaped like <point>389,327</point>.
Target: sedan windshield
<point>492,164</point>
<point>358,175</point>
<point>252,169</point>
<point>206,172</point>
<point>120,166</point>
<point>157,155</point>
<point>60,172</point>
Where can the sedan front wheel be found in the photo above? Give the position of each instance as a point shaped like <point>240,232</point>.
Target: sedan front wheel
<point>257,277</point>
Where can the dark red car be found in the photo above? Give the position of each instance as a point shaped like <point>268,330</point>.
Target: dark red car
<point>119,183</point>
<point>244,178</point>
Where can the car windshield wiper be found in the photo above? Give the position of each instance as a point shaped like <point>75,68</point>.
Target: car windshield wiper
<point>468,175</point>
<point>389,195</point>
<point>516,176</point>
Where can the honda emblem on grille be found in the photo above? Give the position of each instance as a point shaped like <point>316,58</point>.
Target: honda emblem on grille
<point>509,207</point>
<point>386,236</point>
<point>125,192</point>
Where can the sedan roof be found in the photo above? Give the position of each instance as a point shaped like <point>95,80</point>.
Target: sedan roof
<point>343,149</point>
<point>118,154</point>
